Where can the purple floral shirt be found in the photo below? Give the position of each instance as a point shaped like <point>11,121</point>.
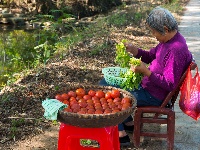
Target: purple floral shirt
<point>167,62</point>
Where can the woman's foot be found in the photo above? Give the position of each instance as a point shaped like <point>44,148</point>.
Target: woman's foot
<point>124,141</point>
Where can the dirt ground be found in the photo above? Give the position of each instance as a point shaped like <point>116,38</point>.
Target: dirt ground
<point>22,125</point>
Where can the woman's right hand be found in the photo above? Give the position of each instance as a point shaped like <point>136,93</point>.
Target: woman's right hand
<point>142,68</point>
<point>131,48</point>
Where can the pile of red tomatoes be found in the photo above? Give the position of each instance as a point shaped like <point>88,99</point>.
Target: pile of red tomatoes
<point>94,102</point>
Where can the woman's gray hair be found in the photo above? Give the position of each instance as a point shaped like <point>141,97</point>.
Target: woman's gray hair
<point>160,17</point>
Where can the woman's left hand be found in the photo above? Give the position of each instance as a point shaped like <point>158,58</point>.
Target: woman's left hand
<point>141,69</point>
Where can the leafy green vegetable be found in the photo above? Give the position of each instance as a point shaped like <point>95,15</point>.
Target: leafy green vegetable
<point>132,79</point>
<point>122,56</point>
<point>123,59</point>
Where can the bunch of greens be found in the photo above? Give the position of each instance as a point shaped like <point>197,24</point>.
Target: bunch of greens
<point>123,59</point>
<point>122,56</point>
<point>132,79</point>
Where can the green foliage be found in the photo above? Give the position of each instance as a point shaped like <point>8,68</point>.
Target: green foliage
<point>15,123</point>
<point>17,53</point>
<point>124,60</point>
<point>122,56</point>
<point>45,46</point>
<point>45,17</point>
<point>44,50</point>
<point>118,19</point>
<point>137,16</point>
<point>5,97</point>
<point>132,79</point>
<point>22,50</point>
<point>174,6</point>
<point>98,48</point>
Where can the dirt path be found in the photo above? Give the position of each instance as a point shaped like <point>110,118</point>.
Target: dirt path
<point>45,141</point>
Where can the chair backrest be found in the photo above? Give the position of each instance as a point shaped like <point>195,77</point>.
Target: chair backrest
<point>172,96</point>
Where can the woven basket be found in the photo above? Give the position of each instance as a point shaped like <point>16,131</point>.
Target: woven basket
<point>95,120</point>
<point>112,75</point>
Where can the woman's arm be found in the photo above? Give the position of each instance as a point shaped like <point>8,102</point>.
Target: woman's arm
<point>146,56</point>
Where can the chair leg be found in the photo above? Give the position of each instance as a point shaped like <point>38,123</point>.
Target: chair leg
<point>171,130</point>
<point>137,128</point>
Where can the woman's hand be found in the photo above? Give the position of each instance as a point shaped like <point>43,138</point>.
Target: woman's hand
<point>141,69</point>
<point>131,48</point>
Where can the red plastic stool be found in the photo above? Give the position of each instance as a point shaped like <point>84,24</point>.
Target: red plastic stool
<point>69,137</point>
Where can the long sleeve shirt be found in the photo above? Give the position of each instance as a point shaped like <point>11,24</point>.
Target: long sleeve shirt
<point>168,61</point>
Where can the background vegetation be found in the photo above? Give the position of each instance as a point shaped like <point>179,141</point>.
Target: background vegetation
<point>23,50</point>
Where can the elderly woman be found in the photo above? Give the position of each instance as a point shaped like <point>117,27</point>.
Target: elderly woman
<point>168,60</point>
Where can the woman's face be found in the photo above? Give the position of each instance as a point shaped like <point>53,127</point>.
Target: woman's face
<point>162,38</point>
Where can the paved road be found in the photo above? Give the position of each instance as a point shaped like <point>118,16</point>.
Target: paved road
<point>187,135</point>
<point>187,130</point>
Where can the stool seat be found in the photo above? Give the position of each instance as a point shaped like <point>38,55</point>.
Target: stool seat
<point>70,136</point>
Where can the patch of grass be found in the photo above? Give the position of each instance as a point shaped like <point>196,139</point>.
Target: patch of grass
<point>5,97</point>
<point>174,7</point>
<point>14,126</point>
<point>117,19</point>
<point>98,48</point>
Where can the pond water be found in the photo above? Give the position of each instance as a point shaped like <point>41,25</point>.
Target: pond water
<point>16,50</point>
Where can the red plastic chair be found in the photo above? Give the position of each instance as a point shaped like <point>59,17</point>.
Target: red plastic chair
<point>165,109</point>
<point>70,136</point>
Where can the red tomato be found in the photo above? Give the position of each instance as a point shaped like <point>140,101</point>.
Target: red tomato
<point>84,109</point>
<point>95,98</point>
<point>79,97</point>
<point>100,94</point>
<point>65,96</point>
<point>80,92</point>
<point>81,112</point>
<point>81,100</point>
<point>68,109</point>
<point>108,95</point>
<point>75,106</point>
<point>125,106</point>
<point>89,101</point>
<point>91,93</point>
<point>91,111</point>
<point>83,104</point>
<point>103,100</point>
<point>86,97</point>
<point>125,100</point>
<point>59,97</point>
<point>109,100</point>
<point>96,101</point>
<point>97,104</point>
<point>71,94</point>
<point>115,111</point>
<point>66,102</point>
<point>72,99</point>
<point>108,111</point>
<point>76,110</point>
<point>90,107</point>
<point>117,99</point>
<point>115,93</point>
<point>72,103</point>
<point>98,112</point>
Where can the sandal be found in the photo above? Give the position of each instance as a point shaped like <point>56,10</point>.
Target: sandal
<point>124,141</point>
